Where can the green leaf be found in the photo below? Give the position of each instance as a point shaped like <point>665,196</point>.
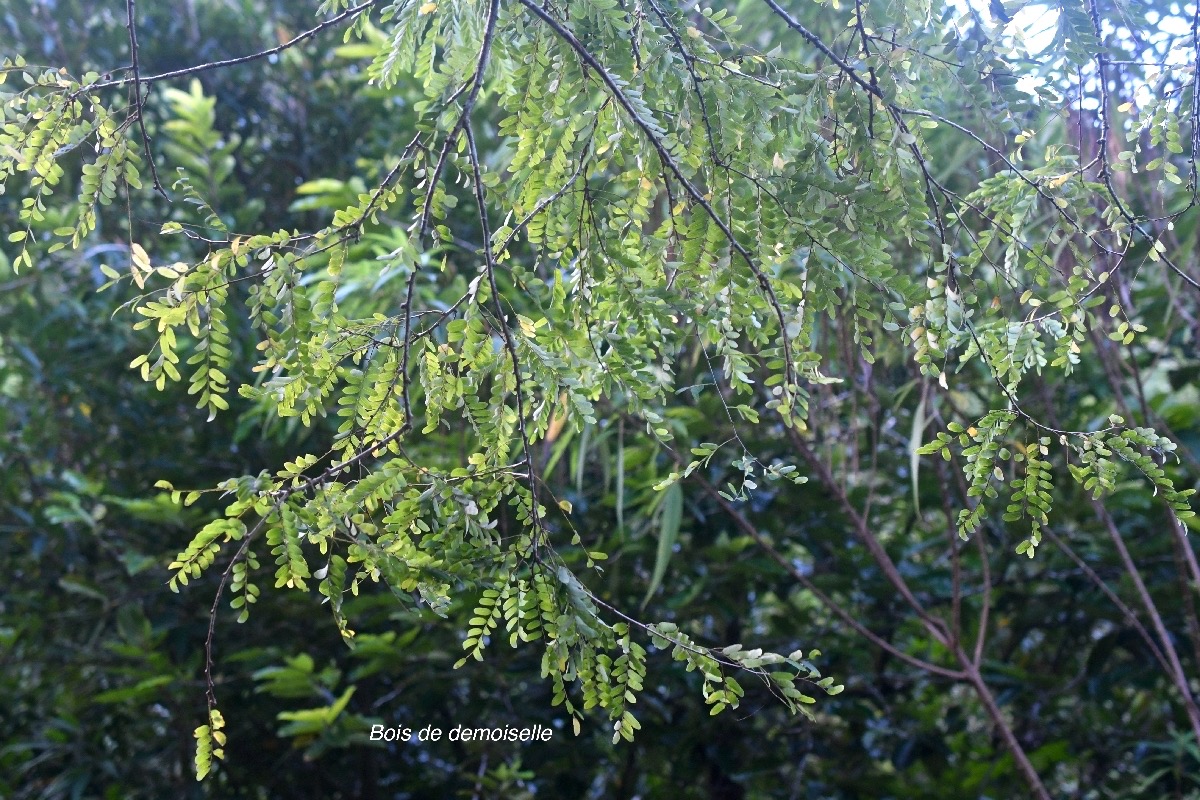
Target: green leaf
<point>668,532</point>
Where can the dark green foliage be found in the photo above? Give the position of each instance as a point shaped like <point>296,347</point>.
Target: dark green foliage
<point>600,343</point>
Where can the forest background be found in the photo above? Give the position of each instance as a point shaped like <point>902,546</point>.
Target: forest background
<point>851,342</point>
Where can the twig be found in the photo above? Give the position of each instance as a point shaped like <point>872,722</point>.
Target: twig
<point>1179,677</point>
<point>138,100</point>
<point>229,62</point>
<point>1102,148</point>
<point>1125,610</point>
<point>209,684</point>
<point>510,345</point>
<point>841,613</point>
<point>791,379</point>
<point>475,84</point>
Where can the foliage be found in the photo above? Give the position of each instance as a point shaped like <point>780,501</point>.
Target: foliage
<point>631,310</point>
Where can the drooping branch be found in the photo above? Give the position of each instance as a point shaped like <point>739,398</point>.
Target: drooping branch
<point>1102,150</point>
<point>138,100</point>
<point>505,332</point>
<point>472,88</point>
<point>349,13</point>
<point>790,376</point>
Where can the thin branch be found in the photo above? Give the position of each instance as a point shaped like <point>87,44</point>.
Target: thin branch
<point>509,344</point>
<point>1102,145</point>
<point>985,610</point>
<point>936,627</point>
<point>1181,537</point>
<point>791,380</point>
<point>954,543</point>
<point>841,613</point>
<point>1024,765</point>
<point>1125,610</point>
<point>408,338</point>
<point>229,62</point>
<point>209,684</point>
<point>1179,676</point>
<point>138,100</point>
<point>562,190</point>
<point>476,83</point>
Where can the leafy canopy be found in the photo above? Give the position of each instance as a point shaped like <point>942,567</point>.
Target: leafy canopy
<point>597,197</point>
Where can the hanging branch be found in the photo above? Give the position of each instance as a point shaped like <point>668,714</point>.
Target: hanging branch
<point>790,376</point>
<point>138,101</point>
<point>506,332</point>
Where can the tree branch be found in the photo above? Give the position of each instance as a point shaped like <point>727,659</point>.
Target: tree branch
<point>229,62</point>
<point>138,101</point>
<point>1164,636</point>
<point>791,378</point>
<point>841,613</point>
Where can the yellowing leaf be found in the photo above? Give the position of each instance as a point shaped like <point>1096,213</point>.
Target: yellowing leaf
<point>141,264</point>
<point>428,8</point>
<point>141,259</point>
